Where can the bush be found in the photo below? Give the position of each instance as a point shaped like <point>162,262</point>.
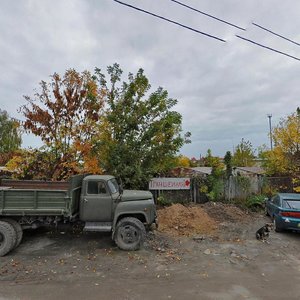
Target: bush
<point>217,190</point>
<point>163,201</point>
<point>256,202</point>
<point>167,200</point>
<point>40,164</point>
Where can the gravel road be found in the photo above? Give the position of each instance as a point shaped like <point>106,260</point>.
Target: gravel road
<point>232,265</point>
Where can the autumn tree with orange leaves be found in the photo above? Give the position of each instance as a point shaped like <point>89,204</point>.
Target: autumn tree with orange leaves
<point>66,114</point>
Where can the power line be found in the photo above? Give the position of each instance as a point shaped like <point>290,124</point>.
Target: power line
<point>206,34</point>
<point>269,48</point>
<point>208,15</point>
<point>171,21</point>
<point>281,36</point>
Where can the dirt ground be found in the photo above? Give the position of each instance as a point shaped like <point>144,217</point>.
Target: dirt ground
<point>225,262</point>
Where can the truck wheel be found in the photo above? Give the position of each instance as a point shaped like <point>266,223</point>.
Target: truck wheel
<point>8,237</point>
<point>130,234</point>
<point>18,228</point>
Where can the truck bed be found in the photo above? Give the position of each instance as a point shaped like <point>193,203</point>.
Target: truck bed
<point>40,198</point>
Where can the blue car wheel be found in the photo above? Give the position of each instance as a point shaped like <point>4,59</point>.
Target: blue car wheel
<point>276,227</point>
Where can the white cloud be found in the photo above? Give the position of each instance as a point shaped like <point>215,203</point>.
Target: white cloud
<point>225,91</point>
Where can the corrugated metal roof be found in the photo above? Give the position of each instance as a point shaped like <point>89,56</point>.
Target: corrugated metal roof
<point>4,169</point>
<point>254,170</point>
<point>204,170</point>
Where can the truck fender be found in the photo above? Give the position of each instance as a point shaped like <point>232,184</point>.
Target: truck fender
<point>142,216</point>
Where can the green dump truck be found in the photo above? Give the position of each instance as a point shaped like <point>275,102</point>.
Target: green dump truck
<point>95,201</point>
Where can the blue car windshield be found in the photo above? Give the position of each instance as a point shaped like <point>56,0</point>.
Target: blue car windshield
<point>291,204</point>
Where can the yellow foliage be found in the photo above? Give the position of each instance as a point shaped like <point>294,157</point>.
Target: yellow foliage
<point>14,163</point>
<point>183,161</point>
<point>296,189</point>
<point>203,189</point>
<point>287,134</point>
<point>285,157</point>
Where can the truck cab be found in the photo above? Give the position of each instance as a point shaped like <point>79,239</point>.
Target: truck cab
<point>99,195</point>
<point>104,207</point>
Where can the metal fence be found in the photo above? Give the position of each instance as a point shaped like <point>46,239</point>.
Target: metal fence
<point>234,187</point>
<point>280,184</point>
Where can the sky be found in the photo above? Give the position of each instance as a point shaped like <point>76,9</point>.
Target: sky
<point>224,90</point>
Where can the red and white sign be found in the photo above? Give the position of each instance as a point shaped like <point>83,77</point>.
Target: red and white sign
<point>170,184</point>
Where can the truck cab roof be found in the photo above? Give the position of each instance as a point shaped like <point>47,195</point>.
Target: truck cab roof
<point>95,177</point>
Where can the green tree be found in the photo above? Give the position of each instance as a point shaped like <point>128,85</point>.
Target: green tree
<point>243,155</point>
<point>140,133</point>
<point>228,163</point>
<point>10,134</point>
<point>209,159</point>
<point>214,182</point>
<point>214,162</point>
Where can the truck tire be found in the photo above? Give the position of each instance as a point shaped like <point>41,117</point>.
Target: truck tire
<point>18,228</point>
<point>8,237</point>
<point>130,234</point>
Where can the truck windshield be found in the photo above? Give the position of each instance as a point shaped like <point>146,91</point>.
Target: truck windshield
<point>113,186</point>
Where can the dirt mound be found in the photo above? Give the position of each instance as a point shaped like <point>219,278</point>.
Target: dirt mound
<point>179,220</point>
<point>222,212</point>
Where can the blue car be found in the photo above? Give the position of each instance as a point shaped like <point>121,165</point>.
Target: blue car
<point>284,209</point>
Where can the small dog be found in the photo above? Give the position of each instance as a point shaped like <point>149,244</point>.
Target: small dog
<point>263,232</point>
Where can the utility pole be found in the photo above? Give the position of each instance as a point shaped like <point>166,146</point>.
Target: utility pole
<point>270,126</point>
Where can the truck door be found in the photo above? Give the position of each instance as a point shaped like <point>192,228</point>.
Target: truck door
<point>96,202</point>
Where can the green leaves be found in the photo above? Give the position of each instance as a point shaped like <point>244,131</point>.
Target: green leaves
<point>143,131</point>
<point>228,163</point>
<point>243,155</point>
<point>10,135</point>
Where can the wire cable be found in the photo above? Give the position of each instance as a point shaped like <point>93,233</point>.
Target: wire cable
<point>266,47</point>
<point>171,21</point>
<point>208,15</point>
<point>272,32</point>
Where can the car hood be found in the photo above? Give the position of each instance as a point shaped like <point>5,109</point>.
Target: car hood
<point>134,195</point>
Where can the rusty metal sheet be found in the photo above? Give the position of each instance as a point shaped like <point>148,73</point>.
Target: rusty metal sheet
<point>35,184</point>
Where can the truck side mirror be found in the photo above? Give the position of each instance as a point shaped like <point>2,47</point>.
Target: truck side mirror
<point>121,189</point>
